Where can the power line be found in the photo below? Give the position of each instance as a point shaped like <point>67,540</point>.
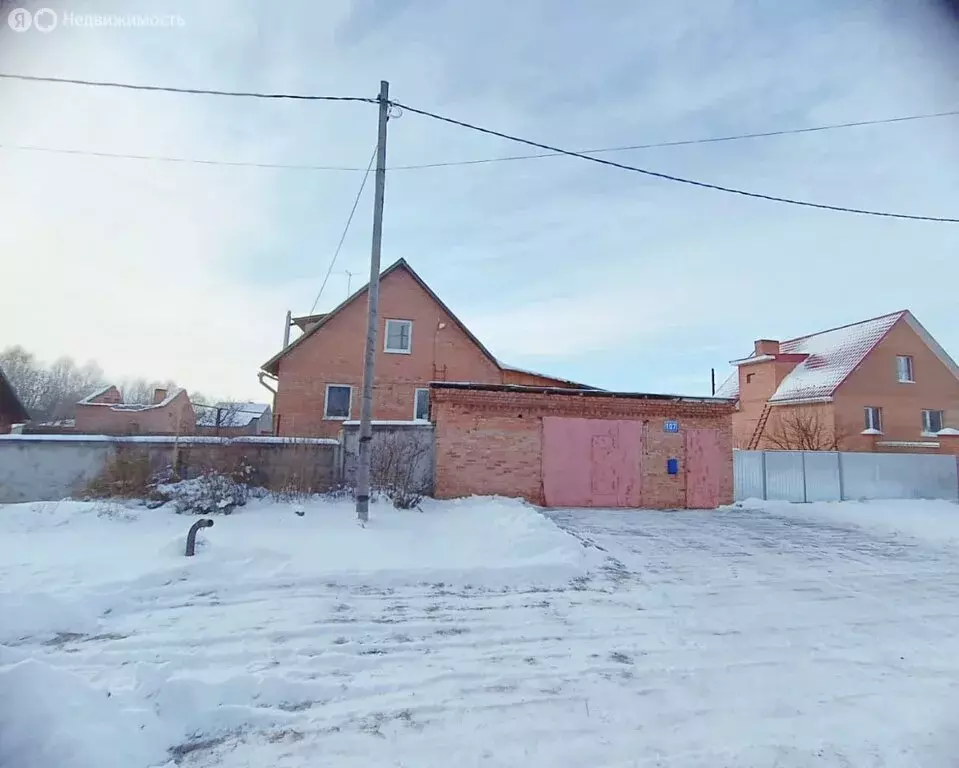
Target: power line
<point>346,229</point>
<point>485,160</point>
<point>670,177</point>
<point>169,89</point>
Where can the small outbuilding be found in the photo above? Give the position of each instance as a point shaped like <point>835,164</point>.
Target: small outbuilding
<point>582,448</point>
<point>11,409</point>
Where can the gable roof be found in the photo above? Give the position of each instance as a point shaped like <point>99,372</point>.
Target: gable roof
<point>831,356</point>
<point>9,402</point>
<point>271,366</point>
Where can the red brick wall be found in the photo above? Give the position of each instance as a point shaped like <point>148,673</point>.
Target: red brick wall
<point>334,355</point>
<point>875,383</point>
<point>177,417</point>
<point>490,442</point>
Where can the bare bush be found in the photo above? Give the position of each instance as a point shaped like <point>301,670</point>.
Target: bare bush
<point>128,475</point>
<point>804,429</point>
<point>398,466</point>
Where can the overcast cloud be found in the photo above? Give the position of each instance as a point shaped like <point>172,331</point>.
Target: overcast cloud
<point>185,271</point>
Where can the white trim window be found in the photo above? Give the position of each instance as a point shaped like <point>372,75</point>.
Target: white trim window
<point>932,422</point>
<point>904,372</point>
<point>421,405</point>
<point>873,418</point>
<point>338,402</point>
<point>398,338</point>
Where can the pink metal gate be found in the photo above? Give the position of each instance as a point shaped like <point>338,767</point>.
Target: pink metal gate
<point>592,462</point>
<point>704,466</point>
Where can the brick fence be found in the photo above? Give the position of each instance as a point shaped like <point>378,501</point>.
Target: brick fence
<point>489,438</point>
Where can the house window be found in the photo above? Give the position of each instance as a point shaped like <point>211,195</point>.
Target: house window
<point>874,418</point>
<point>904,369</point>
<point>399,336</point>
<point>932,422</point>
<point>339,398</point>
<point>749,377</point>
<point>421,405</point>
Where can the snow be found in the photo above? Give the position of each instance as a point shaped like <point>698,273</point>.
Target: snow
<point>936,522</point>
<point>833,355</point>
<point>480,632</point>
<point>389,423</point>
<point>239,414</point>
<point>948,431</point>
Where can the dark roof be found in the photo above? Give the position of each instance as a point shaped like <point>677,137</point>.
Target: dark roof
<point>271,366</point>
<point>574,392</point>
<point>10,404</point>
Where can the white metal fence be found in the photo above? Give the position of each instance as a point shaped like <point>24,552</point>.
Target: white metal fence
<point>803,476</point>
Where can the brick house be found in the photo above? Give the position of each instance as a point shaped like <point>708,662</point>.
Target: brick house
<point>561,447</point>
<point>883,384</point>
<point>319,376</point>
<point>11,409</point>
<point>104,413</point>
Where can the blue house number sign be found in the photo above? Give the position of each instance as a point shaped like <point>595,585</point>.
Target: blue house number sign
<point>671,425</point>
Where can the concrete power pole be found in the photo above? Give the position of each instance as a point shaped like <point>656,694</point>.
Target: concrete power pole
<point>366,410</point>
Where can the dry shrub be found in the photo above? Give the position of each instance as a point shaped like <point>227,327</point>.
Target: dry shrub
<point>397,467</point>
<point>128,475</point>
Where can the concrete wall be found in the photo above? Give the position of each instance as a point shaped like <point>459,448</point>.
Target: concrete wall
<point>410,441</point>
<point>52,467</point>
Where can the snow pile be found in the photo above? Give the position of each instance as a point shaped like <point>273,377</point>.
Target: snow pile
<point>932,521</point>
<point>82,550</point>
<point>50,718</point>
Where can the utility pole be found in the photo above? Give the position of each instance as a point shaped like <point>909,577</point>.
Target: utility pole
<point>286,329</point>
<point>366,410</point>
<point>712,376</point>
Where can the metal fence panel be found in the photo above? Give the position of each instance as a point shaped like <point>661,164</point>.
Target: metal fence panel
<point>822,476</point>
<point>785,480</point>
<point>748,475</point>
<point>899,476</point>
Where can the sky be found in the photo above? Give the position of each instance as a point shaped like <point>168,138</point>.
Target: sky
<point>185,271</point>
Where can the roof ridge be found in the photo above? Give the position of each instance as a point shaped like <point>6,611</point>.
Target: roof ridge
<point>901,312</point>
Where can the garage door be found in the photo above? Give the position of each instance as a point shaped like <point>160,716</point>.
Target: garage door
<point>704,468</point>
<point>592,462</point>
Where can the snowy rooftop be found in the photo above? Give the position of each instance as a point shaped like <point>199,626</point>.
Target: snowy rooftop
<point>230,414</point>
<point>831,356</point>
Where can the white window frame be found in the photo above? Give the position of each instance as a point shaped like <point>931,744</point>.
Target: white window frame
<point>874,412</point>
<point>416,397</point>
<point>910,369</point>
<point>386,337</point>
<point>926,422</point>
<point>326,403</point>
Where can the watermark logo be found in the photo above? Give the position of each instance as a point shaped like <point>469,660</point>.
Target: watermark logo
<point>46,20</point>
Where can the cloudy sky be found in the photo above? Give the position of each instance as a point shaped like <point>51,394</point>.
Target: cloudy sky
<point>185,271</point>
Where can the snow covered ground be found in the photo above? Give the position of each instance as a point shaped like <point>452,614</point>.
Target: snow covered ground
<point>480,633</point>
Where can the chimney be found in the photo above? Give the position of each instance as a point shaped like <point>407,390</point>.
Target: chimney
<point>766,347</point>
<point>159,395</point>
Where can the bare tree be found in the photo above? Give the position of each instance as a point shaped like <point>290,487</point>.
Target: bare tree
<point>49,392</point>
<point>804,428</point>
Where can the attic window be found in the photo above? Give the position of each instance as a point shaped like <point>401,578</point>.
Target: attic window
<point>399,336</point>
<point>749,377</point>
<point>904,369</point>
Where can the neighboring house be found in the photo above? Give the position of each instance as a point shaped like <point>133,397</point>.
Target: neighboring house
<point>883,384</point>
<point>11,409</point>
<point>105,413</point>
<point>419,340</point>
<point>234,419</point>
